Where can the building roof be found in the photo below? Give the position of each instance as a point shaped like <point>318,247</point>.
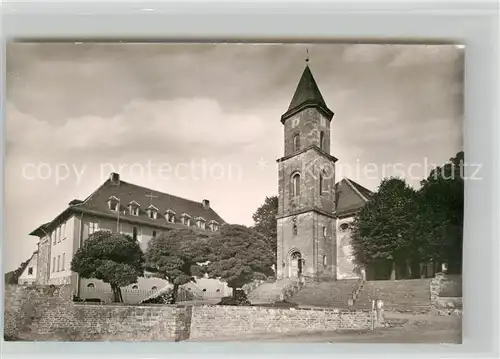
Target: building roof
<point>351,197</point>
<point>307,94</point>
<point>97,204</point>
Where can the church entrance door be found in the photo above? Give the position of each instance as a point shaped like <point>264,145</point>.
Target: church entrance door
<point>295,264</point>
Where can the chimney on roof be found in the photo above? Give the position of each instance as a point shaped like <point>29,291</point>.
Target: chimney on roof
<point>114,178</point>
<point>206,203</point>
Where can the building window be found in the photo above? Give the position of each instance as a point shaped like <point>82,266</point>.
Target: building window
<point>200,222</point>
<point>133,208</point>
<point>30,271</point>
<point>63,260</point>
<point>321,183</point>
<point>296,142</point>
<point>213,226</point>
<point>93,227</point>
<point>53,264</point>
<point>154,234</point>
<point>113,203</point>
<point>152,212</point>
<point>58,233</point>
<point>325,262</point>
<point>186,219</point>
<point>63,231</point>
<point>296,185</point>
<point>218,290</point>
<point>170,216</point>
<point>344,227</point>
<point>90,285</point>
<point>134,233</point>
<point>135,287</point>
<point>58,263</point>
<point>53,236</point>
<point>322,140</point>
<point>154,288</point>
<point>324,232</point>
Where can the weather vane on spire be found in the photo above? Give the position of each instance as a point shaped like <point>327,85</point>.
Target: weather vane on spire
<point>307,55</point>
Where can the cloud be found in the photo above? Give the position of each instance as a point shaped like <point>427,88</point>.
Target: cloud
<point>423,55</point>
<point>365,53</point>
<point>183,125</point>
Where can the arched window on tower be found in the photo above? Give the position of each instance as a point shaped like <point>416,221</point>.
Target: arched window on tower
<point>296,142</point>
<point>322,140</point>
<point>296,185</point>
<point>321,183</point>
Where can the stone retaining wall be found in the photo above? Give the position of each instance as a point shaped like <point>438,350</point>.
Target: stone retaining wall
<point>225,322</point>
<point>48,313</point>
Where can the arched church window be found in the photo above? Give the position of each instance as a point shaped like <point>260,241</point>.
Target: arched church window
<point>322,140</point>
<point>296,142</point>
<point>325,262</point>
<point>321,179</point>
<point>296,185</point>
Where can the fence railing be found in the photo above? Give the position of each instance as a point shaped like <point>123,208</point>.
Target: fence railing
<point>130,296</point>
<point>135,296</point>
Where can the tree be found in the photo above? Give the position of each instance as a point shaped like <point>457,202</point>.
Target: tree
<point>114,258</point>
<point>12,277</point>
<point>239,255</point>
<point>383,231</point>
<point>265,221</point>
<point>443,195</point>
<point>174,256</point>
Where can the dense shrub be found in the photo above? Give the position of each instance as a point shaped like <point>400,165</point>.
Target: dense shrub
<point>239,299</point>
<point>166,297</point>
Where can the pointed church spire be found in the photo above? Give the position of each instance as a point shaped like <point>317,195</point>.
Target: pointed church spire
<point>307,91</point>
<point>307,94</point>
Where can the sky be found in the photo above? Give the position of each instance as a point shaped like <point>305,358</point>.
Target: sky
<point>202,121</point>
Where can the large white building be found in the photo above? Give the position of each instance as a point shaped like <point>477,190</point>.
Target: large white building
<point>123,207</point>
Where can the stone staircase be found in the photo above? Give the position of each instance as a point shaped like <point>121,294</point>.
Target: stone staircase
<point>333,294</point>
<point>412,295</point>
<point>268,292</point>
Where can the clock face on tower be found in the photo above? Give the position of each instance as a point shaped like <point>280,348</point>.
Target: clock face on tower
<point>295,122</point>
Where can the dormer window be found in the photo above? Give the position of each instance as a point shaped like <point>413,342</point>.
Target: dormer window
<point>113,203</point>
<point>170,216</point>
<point>213,226</point>
<point>186,219</point>
<point>152,212</point>
<point>200,222</point>
<point>133,208</point>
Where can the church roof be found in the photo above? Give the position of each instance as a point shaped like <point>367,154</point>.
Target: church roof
<point>351,197</point>
<point>97,205</point>
<point>307,94</point>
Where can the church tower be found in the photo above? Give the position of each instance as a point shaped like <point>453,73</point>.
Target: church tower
<point>306,190</point>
